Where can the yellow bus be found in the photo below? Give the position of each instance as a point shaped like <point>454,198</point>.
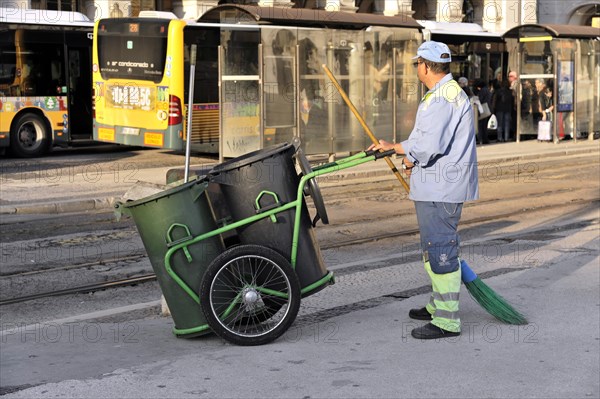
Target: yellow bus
<point>45,80</point>
<point>258,79</point>
<point>138,90</point>
<point>141,81</point>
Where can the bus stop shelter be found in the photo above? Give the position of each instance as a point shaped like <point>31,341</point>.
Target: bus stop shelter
<point>273,87</point>
<point>558,69</point>
<point>476,53</point>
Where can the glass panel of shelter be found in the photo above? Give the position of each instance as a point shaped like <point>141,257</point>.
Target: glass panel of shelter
<point>279,84</point>
<point>408,88</point>
<point>536,85</point>
<point>345,59</point>
<point>588,87</point>
<point>379,83</point>
<point>297,99</point>
<point>240,95</point>
<point>314,123</point>
<point>565,88</point>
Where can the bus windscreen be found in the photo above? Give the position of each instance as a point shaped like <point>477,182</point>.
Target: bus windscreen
<point>132,50</point>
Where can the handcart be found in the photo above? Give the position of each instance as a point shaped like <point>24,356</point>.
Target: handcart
<point>234,251</point>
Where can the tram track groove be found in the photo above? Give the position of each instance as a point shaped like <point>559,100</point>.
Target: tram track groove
<point>339,244</point>
<point>566,192</point>
<point>463,222</point>
<point>105,262</point>
<point>355,222</point>
<point>336,193</point>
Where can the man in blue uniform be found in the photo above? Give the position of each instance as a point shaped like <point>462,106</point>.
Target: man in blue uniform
<point>441,160</point>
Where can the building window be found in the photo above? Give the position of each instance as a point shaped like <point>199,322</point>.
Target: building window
<point>150,5</point>
<point>59,5</point>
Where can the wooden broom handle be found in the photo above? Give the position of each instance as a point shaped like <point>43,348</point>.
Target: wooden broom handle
<point>365,126</point>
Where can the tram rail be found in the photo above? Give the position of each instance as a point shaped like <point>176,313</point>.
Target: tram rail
<point>343,199</point>
<point>338,244</point>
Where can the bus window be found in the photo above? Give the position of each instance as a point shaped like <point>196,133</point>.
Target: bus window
<point>8,65</point>
<point>132,50</point>
<point>36,71</point>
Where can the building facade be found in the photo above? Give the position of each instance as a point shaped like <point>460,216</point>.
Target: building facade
<point>493,15</point>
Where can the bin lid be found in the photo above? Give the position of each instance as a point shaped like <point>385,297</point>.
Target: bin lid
<point>166,193</point>
<point>250,158</point>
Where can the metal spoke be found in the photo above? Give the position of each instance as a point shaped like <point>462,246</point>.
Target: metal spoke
<point>256,312</point>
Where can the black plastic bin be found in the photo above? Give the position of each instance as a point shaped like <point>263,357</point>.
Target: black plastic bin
<point>271,169</point>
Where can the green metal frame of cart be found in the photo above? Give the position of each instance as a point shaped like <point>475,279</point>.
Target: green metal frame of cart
<point>349,162</point>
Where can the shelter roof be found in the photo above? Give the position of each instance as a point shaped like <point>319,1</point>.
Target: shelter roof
<point>307,17</point>
<point>459,32</point>
<point>558,31</point>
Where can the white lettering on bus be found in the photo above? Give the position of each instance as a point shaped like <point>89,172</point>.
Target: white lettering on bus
<point>133,64</point>
<point>131,96</point>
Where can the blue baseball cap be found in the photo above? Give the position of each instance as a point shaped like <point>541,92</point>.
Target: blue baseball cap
<point>432,51</point>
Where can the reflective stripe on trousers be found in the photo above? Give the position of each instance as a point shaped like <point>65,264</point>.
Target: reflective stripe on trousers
<point>443,303</point>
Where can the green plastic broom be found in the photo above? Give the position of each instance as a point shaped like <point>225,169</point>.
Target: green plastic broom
<point>488,299</point>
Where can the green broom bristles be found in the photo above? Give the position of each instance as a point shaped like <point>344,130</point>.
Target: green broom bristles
<point>488,299</point>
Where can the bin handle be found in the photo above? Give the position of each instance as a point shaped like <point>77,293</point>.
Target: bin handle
<point>171,243</point>
<point>199,188</point>
<point>120,210</point>
<point>277,204</point>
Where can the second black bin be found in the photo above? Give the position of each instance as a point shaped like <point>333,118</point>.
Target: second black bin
<point>272,169</point>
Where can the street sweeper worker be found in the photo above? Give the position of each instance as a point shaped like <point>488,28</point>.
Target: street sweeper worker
<point>440,158</point>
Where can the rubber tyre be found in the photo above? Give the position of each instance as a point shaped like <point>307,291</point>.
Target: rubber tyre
<point>226,279</point>
<point>30,136</point>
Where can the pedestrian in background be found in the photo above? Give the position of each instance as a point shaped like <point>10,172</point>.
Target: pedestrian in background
<point>527,90</point>
<point>502,105</point>
<point>536,102</point>
<point>441,160</point>
<point>513,83</point>
<point>473,99</point>
<point>547,104</point>
<point>485,98</point>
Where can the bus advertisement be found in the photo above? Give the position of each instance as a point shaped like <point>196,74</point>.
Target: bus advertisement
<point>45,80</point>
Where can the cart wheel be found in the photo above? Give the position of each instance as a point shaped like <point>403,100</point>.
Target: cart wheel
<point>313,187</point>
<point>250,295</point>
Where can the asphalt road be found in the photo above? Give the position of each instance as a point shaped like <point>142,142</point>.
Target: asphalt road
<point>353,338</point>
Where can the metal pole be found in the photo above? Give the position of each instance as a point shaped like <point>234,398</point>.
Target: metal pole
<point>593,65</point>
<point>487,68</point>
<point>188,137</point>
<point>574,55</point>
<point>555,100</point>
<point>297,92</point>
<point>261,99</point>
<point>518,94</point>
<point>220,61</point>
<point>394,93</point>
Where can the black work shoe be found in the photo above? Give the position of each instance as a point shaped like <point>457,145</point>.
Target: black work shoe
<point>419,314</point>
<point>429,331</point>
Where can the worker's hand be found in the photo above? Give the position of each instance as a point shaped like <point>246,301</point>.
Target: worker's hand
<point>383,145</point>
<point>409,166</point>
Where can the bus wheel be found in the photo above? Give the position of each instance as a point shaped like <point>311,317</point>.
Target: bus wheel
<point>30,136</point>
